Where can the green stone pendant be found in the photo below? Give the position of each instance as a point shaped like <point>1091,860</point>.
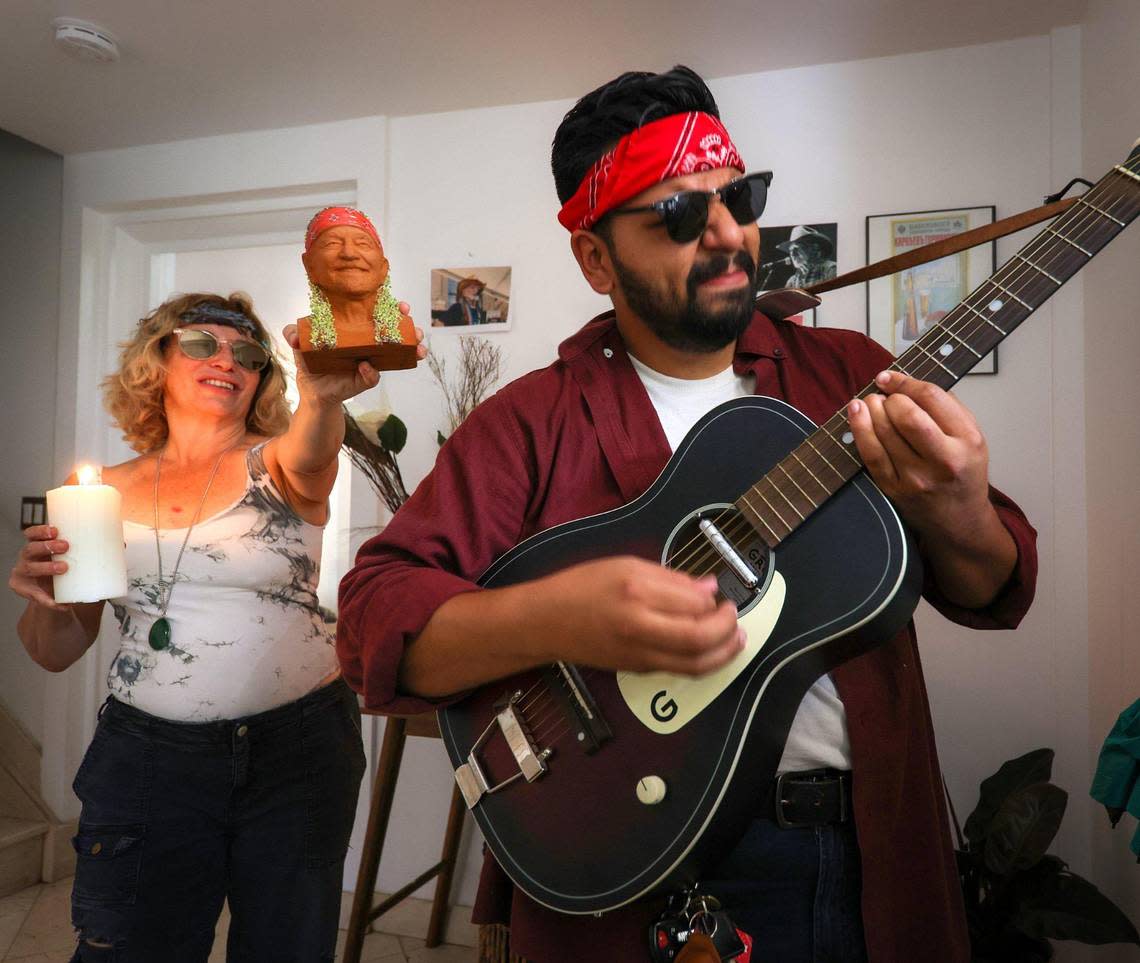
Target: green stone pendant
<point>159,637</point>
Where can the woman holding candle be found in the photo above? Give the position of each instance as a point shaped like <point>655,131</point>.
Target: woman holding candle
<point>227,760</point>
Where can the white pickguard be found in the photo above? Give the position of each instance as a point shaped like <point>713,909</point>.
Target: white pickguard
<point>665,703</point>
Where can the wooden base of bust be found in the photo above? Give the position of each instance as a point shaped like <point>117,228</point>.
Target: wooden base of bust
<point>357,343</point>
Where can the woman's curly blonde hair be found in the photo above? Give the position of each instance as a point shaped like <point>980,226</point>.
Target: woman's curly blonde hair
<point>133,394</point>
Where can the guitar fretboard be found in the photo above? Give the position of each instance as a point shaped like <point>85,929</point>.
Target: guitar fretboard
<point>827,459</point>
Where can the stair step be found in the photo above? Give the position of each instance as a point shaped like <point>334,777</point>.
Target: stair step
<point>15,800</point>
<point>14,831</point>
<point>19,752</point>
<point>21,853</point>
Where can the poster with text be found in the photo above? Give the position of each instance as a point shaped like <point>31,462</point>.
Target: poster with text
<point>902,307</point>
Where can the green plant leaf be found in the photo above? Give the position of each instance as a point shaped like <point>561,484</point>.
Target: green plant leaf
<point>1023,828</point>
<point>1067,907</point>
<point>393,435</point>
<point>1026,883</point>
<point>1010,945</point>
<point>1028,770</point>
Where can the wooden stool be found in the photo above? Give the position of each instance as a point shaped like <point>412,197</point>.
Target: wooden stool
<point>396,731</point>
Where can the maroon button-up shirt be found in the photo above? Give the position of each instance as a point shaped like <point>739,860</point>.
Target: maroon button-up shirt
<point>582,437</point>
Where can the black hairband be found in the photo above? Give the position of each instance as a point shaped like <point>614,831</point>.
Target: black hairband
<point>216,314</point>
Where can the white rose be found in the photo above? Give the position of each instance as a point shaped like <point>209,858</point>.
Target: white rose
<point>370,422</point>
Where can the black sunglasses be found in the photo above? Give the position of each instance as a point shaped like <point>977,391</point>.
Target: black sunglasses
<point>200,345</point>
<point>686,213</point>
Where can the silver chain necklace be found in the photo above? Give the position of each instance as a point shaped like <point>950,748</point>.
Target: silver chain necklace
<point>159,637</point>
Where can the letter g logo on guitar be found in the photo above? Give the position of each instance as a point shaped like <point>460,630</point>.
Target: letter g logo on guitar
<point>662,707</point>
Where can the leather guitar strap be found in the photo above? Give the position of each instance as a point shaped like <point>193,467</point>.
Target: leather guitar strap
<point>784,302</point>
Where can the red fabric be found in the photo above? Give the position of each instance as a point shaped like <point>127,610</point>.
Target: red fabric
<point>338,217</point>
<point>581,437</point>
<point>670,147</point>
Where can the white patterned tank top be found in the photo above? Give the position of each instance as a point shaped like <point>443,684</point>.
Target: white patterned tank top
<point>247,633</point>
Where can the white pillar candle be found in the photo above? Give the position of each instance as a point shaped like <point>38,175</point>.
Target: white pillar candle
<point>89,518</point>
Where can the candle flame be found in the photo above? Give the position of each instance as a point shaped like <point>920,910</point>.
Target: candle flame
<point>87,474</point>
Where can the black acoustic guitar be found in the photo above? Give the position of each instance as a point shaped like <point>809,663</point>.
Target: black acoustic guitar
<point>595,788</point>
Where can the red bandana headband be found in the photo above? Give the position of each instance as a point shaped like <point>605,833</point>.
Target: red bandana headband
<point>337,217</point>
<point>670,147</point>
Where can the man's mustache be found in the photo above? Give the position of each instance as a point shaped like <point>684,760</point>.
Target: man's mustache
<point>719,264</point>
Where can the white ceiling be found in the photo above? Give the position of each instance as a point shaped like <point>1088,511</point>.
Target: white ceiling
<point>191,68</point>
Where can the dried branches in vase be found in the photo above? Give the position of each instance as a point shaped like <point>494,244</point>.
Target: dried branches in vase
<point>480,366</point>
<point>373,440</point>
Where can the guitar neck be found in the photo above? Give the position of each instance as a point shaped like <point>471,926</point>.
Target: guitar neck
<point>827,459</point>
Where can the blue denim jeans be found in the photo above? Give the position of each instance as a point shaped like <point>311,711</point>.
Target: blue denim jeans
<point>796,892</point>
<point>179,817</point>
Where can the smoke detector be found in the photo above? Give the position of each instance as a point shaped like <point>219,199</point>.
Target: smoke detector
<point>85,40</point>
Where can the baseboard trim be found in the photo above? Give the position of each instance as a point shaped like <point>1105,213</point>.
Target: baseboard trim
<point>59,854</point>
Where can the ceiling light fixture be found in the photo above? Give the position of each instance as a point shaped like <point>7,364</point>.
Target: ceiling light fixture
<point>85,40</point>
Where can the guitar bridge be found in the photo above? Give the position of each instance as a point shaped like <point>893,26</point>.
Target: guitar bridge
<point>531,762</point>
<point>565,683</point>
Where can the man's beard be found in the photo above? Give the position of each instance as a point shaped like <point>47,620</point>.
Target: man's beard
<point>686,325</point>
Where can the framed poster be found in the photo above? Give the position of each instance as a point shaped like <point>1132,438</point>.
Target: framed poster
<point>903,306</point>
<point>472,299</point>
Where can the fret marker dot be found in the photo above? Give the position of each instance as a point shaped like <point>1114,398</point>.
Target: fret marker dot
<point>946,350</point>
<point>996,304</point>
<point>848,438</point>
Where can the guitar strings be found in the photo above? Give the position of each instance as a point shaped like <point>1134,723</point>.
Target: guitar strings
<point>1023,271</point>
<point>1110,194</point>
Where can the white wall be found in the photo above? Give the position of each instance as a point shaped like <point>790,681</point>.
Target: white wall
<point>1111,108</point>
<point>29,292</point>
<point>970,126</point>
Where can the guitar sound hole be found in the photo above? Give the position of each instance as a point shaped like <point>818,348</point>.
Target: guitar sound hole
<point>689,549</point>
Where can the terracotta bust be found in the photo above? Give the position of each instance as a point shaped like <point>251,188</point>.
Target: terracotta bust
<point>354,316</point>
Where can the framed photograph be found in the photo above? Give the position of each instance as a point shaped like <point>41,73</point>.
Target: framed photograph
<point>471,299</point>
<point>796,255</point>
<point>903,306</point>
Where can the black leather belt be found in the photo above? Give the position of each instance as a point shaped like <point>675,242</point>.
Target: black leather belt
<point>816,797</point>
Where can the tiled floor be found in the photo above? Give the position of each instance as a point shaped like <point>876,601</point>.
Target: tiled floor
<point>35,928</point>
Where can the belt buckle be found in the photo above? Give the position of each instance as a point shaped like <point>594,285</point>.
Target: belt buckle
<point>781,820</point>
<point>784,822</point>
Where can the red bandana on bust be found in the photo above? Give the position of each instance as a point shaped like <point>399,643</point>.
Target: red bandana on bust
<point>338,217</point>
<point>670,147</point>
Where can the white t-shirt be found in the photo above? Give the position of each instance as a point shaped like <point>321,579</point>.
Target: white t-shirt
<point>818,737</point>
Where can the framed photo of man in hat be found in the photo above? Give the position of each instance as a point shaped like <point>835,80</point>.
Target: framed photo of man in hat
<point>796,255</point>
<point>472,299</point>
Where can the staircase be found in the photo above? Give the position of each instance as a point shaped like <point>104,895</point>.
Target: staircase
<point>35,846</point>
<point>21,853</point>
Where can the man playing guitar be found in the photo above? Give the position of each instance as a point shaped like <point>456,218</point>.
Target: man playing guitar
<point>662,219</point>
